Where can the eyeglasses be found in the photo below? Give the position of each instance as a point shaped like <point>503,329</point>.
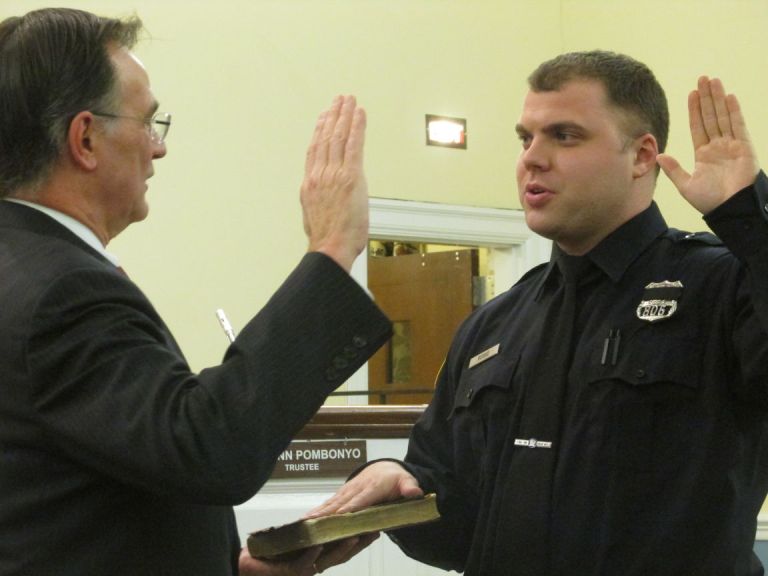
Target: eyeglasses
<point>157,124</point>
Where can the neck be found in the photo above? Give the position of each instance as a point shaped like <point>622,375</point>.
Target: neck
<point>67,200</point>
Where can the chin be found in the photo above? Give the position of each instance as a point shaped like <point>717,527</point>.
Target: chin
<point>537,222</point>
<point>140,213</point>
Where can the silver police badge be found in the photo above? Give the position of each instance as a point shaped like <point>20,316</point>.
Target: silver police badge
<point>659,300</point>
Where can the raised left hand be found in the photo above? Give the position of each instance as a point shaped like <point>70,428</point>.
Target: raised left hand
<point>725,161</point>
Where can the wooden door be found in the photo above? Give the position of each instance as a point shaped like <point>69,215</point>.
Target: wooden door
<point>426,296</point>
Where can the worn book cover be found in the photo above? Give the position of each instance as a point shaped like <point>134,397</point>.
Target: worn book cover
<point>313,531</point>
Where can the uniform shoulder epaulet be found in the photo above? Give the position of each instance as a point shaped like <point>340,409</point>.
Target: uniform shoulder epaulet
<point>699,237</point>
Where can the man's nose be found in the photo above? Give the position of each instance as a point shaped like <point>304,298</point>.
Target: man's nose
<point>159,151</point>
<point>535,155</point>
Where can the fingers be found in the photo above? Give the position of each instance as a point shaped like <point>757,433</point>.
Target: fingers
<point>339,131</point>
<point>302,564</point>
<point>333,504</point>
<point>317,152</point>
<point>334,193</point>
<point>353,153</point>
<point>721,109</point>
<point>309,163</point>
<point>380,482</point>
<point>330,119</point>
<point>713,113</point>
<point>341,551</point>
<point>738,123</point>
<point>339,138</point>
<point>712,108</point>
<point>707,109</point>
<point>699,135</point>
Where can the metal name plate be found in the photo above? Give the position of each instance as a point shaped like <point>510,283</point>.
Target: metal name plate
<point>320,459</point>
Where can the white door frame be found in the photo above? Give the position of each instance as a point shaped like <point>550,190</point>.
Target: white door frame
<point>515,248</point>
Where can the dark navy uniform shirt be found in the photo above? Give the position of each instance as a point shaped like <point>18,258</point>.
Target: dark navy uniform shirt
<point>662,462</point>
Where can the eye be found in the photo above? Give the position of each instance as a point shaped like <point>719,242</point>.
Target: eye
<point>566,136</point>
<point>525,140</point>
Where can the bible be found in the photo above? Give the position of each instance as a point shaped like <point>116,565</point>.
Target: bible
<point>278,540</point>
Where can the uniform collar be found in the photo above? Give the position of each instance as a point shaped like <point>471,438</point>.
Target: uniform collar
<point>617,251</point>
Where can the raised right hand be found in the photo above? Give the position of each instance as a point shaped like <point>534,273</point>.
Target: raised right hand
<point>334,193</point>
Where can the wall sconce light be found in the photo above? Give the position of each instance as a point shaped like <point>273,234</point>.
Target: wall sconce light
<point>445,131</point>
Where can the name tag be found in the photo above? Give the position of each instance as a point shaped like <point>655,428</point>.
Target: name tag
<point>483,356</point>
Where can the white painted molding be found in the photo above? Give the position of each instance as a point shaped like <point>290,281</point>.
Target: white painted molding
<point>447,223</point>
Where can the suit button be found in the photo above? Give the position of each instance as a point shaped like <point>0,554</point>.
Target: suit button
<point>640,374</point>
<point>359,342</point>
<point>765,208</point>
<point>470,392</point>
<point>340,362</point>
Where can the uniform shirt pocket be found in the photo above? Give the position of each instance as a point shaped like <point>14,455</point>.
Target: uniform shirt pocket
<point>648,401</point>
<point>482,412</point>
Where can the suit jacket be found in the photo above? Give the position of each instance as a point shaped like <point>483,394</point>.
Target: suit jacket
<point>115,458</point>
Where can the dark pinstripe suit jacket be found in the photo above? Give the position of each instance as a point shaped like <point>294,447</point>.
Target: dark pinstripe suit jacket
<point>114,457</point>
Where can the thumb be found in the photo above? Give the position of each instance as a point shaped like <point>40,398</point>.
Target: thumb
<point>409,488</point>
<point>673,170</point>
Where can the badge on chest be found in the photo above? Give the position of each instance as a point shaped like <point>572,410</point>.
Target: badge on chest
<point>660,301</point>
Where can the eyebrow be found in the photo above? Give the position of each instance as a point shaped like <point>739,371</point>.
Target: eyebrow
<point>553,128</point>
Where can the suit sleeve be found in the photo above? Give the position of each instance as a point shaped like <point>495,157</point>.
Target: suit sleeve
<point>110,387</point>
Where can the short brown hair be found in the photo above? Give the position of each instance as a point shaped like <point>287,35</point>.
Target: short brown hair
<point>630,86</point>
<point>55,63</point>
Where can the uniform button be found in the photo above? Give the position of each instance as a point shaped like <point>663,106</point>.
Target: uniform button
<point>350,352</point>
<point>469,393</point>
<point>340,362</point>
<point>640,374</point>
<point>359,342</point>
<point>691,235</point>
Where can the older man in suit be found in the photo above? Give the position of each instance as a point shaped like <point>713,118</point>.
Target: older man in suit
<point>115,458</point>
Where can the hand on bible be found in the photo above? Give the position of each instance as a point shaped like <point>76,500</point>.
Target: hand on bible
<point>380,482</point>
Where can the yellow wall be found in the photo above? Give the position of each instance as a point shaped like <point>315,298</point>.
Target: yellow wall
<point>245,80</point>
<point>680,40</point>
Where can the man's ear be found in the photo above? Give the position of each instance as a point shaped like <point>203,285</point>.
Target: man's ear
<point>646,149</point>
<point>80,141</point>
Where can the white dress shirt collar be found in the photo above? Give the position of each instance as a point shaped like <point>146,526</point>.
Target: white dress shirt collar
<point>77,228</point>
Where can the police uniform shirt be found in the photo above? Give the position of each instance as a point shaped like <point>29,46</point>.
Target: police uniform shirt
<point>661,458</point>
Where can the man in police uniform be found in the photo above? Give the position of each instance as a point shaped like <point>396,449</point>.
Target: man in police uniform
<point>622,434</point>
